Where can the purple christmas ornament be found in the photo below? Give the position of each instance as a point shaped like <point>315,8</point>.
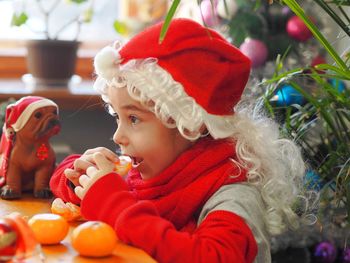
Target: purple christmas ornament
<point>325,252</point>
<point>286,11</point>
<point>346,255</point>
<point>256,50</point>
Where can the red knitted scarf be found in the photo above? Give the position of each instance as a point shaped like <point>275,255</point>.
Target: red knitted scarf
<point>182,189</point>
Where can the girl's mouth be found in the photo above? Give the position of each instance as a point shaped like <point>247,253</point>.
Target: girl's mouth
<point>136,161</point>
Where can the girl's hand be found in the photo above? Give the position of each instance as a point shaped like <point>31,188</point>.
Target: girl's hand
<point>85,161</point>
<point>72,176</point>
<point>103,167</point>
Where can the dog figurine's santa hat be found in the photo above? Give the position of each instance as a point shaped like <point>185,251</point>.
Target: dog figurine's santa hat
<point>16,117</point>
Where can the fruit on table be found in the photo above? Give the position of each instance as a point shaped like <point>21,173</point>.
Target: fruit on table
<point>26,243</point>
<point>8,239</point>
<point>68,211</point>
<point>94,239</point>
<point>48,228</point>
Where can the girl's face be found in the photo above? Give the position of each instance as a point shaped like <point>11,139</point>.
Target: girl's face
<point>142,136</point>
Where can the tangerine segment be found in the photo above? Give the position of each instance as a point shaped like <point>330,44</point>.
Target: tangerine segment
<point>69,211</point>
<point>94,239</point>
<point>48,228</point>
<point>123,166</point>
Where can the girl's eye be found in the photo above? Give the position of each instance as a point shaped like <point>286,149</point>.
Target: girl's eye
<point>133,119</point>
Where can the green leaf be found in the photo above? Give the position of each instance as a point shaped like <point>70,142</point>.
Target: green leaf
<point>168,19</point>
<point>87,15</point>
<point>20,19</point>
<point>77,1</point>
<point>121,28</point>
<point>341,73</point>
<point>341,2</point>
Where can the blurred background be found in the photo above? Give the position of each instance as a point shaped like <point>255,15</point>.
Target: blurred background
<point>302,77</point>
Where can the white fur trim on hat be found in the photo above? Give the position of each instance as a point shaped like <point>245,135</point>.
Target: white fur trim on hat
<point>25,115</point>
<point>147,81</point>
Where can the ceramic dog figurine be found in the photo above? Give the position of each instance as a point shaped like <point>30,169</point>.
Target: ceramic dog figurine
<point>26,157</point>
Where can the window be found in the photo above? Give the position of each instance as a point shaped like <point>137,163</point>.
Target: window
<point>99,29</point>
<point>94,35</point>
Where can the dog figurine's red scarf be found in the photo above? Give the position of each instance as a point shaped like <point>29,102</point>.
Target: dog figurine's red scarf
<point>26,157</point>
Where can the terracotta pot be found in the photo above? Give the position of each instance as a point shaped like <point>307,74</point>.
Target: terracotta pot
<point>52,62</point>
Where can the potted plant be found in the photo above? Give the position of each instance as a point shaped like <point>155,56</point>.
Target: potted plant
<point>51,60</point>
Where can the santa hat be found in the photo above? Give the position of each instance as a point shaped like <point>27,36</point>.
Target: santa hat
<point>203,75</point>
<point>18,113</point>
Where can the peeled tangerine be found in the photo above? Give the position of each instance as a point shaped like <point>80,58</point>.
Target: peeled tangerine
<point>94,239</point>
<point>48,228</point>
<point>69,211</point>
<point>123,166</point>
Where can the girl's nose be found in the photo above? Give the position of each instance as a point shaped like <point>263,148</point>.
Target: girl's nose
<point>119,137</point>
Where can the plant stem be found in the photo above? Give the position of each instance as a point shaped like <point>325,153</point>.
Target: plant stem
<point>46,18</point>
<point>344,14</point>
<point>74,20</point>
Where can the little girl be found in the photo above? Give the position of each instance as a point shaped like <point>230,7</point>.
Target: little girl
<point>211,180</point>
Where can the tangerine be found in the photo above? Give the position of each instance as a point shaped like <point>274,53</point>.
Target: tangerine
<point>94,239</point>
<point>48,228</point>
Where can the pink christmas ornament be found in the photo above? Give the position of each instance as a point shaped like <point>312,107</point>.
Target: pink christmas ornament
<point>209,13</point>
<point>297,29</point>
<point>256,50</point>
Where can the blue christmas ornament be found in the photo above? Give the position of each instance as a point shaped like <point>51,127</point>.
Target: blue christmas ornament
<point>287,95</point>
<point>313,181</point>
<point>325,252</point>
<point>337,83</point>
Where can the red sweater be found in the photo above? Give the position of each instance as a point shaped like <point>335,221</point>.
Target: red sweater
<point>159,215</point>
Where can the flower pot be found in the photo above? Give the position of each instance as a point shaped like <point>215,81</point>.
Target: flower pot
<point>51,63</point>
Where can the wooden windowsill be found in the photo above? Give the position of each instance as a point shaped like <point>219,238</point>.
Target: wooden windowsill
<point>15,65</point>
<point>78,97</point>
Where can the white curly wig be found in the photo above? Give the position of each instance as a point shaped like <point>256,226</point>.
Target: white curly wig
<point>274,165</point>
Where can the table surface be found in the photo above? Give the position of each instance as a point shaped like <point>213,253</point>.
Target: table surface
<point>28,206</point>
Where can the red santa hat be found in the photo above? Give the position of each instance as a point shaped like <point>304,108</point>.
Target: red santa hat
<point>210,70</point>
<point>18,113</point>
